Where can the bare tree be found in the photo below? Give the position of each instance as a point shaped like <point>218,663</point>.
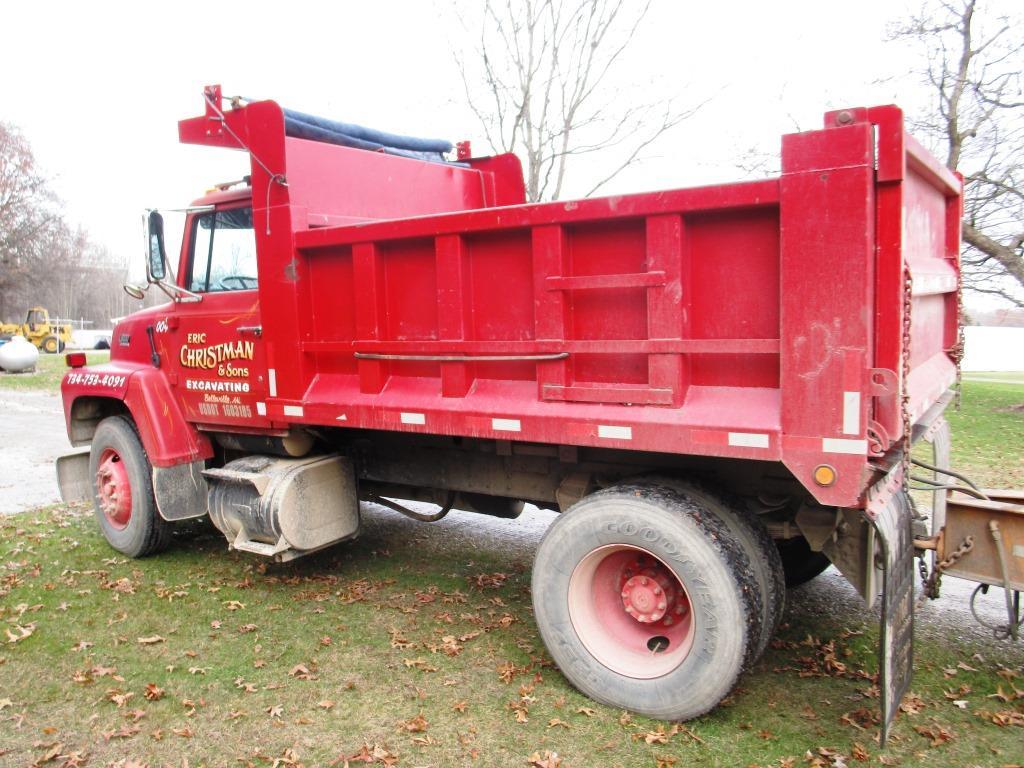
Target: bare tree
<point>43,260</point>
<point>541,82</point>
<point>974,69</point>
<point>26,214</point>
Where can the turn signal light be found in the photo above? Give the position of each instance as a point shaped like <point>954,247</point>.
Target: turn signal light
<point>75,359</point>
<point>824,475</point>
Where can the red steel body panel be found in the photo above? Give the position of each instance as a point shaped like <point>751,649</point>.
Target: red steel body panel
<point>759,320</point>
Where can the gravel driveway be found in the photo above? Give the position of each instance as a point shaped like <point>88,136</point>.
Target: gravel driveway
<point>32,435</point>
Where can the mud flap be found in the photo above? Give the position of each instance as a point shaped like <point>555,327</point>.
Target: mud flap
<point>890,514</point>
<point>73,476</point>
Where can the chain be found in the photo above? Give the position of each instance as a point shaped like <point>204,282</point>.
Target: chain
<point>908,287</point>
<point>932,583</point>
<point>958,348</point>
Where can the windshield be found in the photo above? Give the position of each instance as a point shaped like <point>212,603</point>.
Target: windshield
<point>223,254</point>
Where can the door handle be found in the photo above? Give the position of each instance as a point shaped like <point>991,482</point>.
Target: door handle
<point>255,330</point>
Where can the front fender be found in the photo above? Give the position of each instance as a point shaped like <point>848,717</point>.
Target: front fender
<point>95,392</point>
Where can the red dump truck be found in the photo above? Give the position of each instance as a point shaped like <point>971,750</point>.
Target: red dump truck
<point>717,387</point>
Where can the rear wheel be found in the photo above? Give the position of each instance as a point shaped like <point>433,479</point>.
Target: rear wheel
<point>800,562</point>
<point>646,601</point>
<point>764,557</point>
<point>123,490</point>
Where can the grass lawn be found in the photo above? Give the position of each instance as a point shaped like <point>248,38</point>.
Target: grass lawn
<point>412,647</point>
<point>48,373</point>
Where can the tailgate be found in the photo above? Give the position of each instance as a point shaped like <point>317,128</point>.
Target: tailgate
<point>917,279</point>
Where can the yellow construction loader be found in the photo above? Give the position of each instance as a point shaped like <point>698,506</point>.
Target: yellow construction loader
<point>49,335</point>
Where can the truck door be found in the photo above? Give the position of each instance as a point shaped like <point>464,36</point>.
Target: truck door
<point>213,347</point>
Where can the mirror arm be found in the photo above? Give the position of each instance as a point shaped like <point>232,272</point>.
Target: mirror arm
<point>178,294</point>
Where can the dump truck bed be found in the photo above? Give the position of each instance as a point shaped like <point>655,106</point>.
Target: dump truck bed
<point>758,320</point>
<point>776,320</point>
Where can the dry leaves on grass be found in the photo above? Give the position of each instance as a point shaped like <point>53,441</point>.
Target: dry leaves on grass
<point>935,733</point>
<point>376,754</point>
<point>420,663</point>
<point>20,632</point>
<point>488,580</point>
<point>150,640</point>
<point>416,724</point>
<point>302,672</point>
<point>548,760</point>
<point>1003,718</point>
<point>661,735</point>
<point>153,692</point>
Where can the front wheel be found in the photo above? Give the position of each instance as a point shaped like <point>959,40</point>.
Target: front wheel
<point>646,601</point>
<point>51,345</point>
<point>123,490</point>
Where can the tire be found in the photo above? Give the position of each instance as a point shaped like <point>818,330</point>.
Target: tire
<point>118,463</point>
<point>50,345</point>
<point>800,562</point>
<point>608,654</point>
<point>759,546</point>
<point>102,344</point>
<point>61,346</point>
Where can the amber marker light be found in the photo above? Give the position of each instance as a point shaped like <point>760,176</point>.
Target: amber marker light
<point>824,475</point>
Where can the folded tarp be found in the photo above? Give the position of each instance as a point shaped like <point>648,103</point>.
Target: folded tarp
<point>303,126</point>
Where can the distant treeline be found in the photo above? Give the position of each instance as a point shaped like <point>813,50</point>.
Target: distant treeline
<point>44,259</point>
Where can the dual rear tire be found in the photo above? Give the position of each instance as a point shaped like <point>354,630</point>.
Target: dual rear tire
<point>653,596</point>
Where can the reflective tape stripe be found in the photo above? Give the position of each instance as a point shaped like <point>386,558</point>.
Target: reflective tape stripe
<point>261,409</point>
<point>748,439</point>
<point>506,425</point>
<point>837,445</point>
<point>413,418</point>
<point>293,410</point>
<point>272,374</point>
<point>615,433</point>
<point>851,413</point>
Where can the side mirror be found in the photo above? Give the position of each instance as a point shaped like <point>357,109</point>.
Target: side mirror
<point>135,291</point>
<point>156,257</point>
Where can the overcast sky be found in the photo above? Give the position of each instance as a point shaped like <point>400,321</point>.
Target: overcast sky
<point>99,92</point>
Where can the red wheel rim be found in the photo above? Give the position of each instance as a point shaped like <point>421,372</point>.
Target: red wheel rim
<point>631,611</point>
<point>114,489</point>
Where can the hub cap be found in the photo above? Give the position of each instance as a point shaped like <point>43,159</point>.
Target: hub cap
<point>114,489</point>
<point>630,611</point>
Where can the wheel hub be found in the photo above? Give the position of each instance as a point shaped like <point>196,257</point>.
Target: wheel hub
<point>114,489</point>
<point>649,594</point>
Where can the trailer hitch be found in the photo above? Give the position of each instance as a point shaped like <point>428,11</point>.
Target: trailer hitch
<point>988,525</point>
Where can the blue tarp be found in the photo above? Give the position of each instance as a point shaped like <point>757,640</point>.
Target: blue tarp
<point>303,126</point>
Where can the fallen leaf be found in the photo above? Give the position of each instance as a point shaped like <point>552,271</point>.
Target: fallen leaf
<point>151,640</point>
<point>547,760</point>
<point>20,633</point>
<point>936,733</point>
<point>274,711</point>
<point>153,692</point>
<point>325,704</point>
<point>417,724</point>
<point>556,723</point>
